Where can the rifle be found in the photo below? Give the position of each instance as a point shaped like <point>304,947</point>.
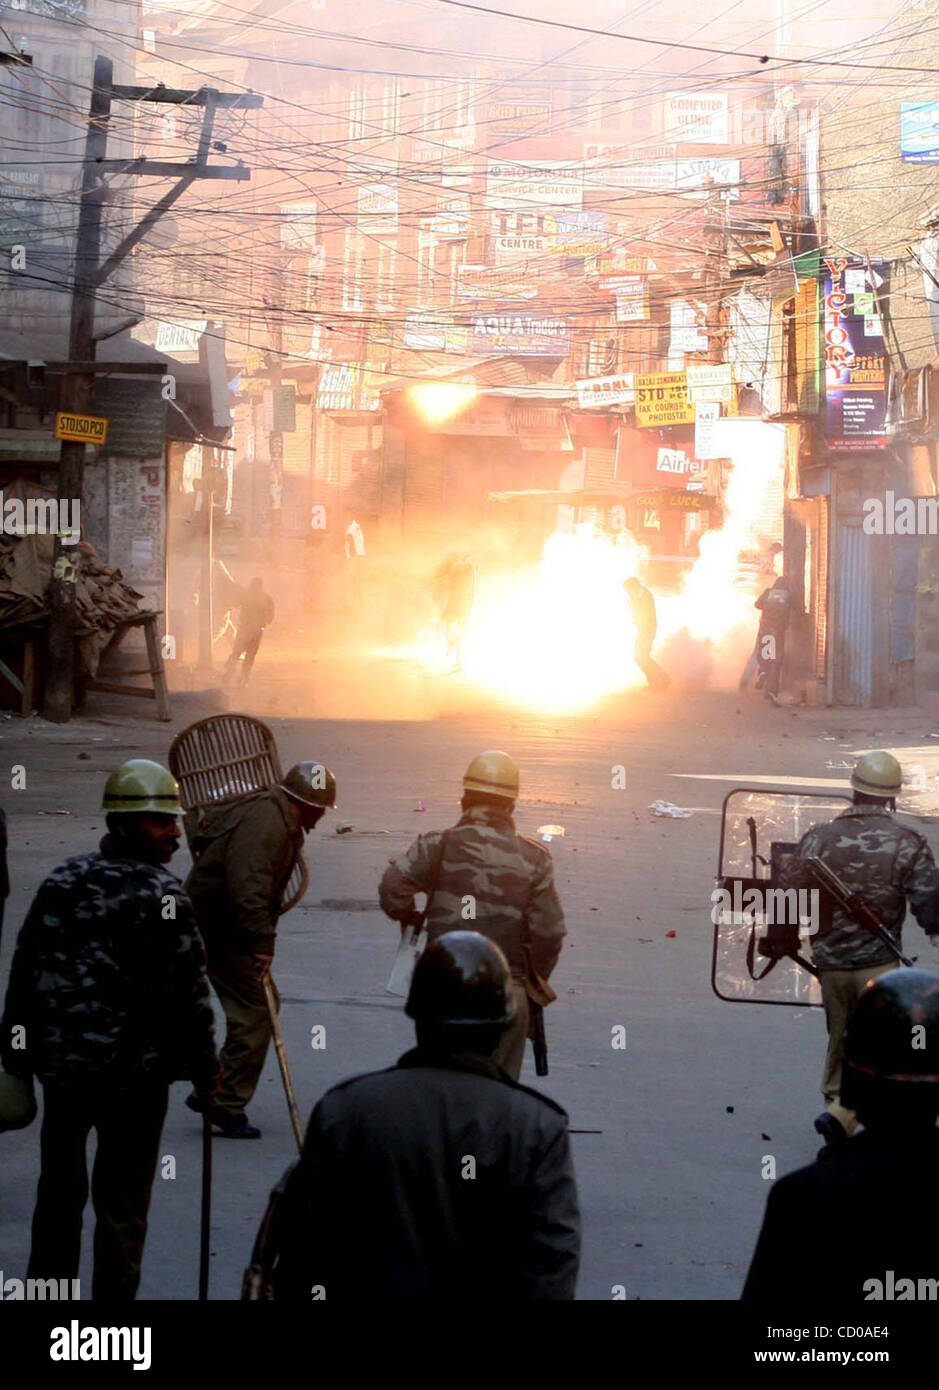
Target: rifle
<point>852,904</point>
<point>540,994</point>
<point>539,1044</point>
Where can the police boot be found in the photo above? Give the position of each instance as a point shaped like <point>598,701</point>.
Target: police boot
<point>229,1126</point>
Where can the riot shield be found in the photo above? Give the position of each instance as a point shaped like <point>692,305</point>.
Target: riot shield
<point>761,934</point>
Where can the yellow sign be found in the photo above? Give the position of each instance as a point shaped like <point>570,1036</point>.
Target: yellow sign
<point>86,429</point>
<point>662,399</point>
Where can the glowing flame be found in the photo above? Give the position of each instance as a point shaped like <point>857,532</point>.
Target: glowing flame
<point>559,636</point>
<point>435,401</point>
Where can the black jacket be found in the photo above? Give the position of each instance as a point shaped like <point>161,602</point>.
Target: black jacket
<point>868,1207</point>
<point>439,1178</point>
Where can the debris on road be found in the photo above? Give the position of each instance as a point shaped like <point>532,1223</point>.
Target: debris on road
<point>668,808</point>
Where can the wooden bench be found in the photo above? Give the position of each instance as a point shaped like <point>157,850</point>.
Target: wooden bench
<point>24,686</point>
<point>157,689</point>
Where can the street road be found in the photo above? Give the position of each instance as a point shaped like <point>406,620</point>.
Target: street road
<point>679,1122</point>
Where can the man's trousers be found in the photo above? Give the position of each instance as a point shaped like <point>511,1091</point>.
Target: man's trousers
<point>841,989</point>
<point>128,1121</point>
<point>237,982</point>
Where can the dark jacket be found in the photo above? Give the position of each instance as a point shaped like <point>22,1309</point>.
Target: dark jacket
<point>256,610</point>
<point>244,856</point>
<point>883,860</point>
<point>867,1207</point>
<point>437,1179</point>
<point>509,878</point>
<point>4,872</point>
<point>108,978</point>
<point>775,607</point>
<point>642,606</point>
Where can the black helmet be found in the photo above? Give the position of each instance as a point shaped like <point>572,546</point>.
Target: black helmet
<point>311,784</point>
<point>462,979</point>
<point>891,1044</point>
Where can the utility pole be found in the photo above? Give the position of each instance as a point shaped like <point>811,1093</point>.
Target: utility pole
<point>89,274</point>
<point>76,395</point>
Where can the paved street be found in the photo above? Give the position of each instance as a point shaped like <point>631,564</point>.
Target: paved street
<point>675,1126</point>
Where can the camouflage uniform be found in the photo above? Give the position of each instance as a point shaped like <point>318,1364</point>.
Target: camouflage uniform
<point>112,994</point>
<point>511,882</point>
<point>887,863</point>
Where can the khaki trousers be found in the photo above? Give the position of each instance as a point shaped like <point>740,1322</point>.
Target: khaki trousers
<point>511,1050</point>
<point>238,984</point>
<point>841,990</point>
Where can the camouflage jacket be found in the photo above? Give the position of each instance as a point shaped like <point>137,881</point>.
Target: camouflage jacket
<point>488,869</point>
<point>104,983</point>
<point>244,857</point>
<point>882,860</point>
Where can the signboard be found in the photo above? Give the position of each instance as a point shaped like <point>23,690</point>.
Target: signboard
<point>539,183</point>
<point>298,227</point>
<point>576,235</point>
<point>492,282</point>
<point>855,364</point>
<point>378,208</point>
<point>696,118</point>
<point>919,132</point>
<point>680,176</point>
<point>280,408</point>
<point>343,387</point>
<point>620,262</point>
<point>512,247</point>
<point>665,497</point>
<point>686,334</point>
<point>517,117</point>
<point>671,461</point>
<point>488,415</point>
<point>706,417</point>
<point>520,335</point>
<point>85,429</point>
<point>22,206</point>
<point>452,219</point>
<point>428,331</point>
<point>662,400</point>
<point>606,390</point>
<point>180,337</point>
<point>709,383</point>
<point>541,428</point>
<point>632,301</point>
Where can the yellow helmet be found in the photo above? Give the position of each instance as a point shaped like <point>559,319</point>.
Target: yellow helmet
<point>493,772</point>
<point>142,785</point>
<point>877,774</point>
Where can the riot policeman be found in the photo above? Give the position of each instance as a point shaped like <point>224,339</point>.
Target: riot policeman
<point>887,864</point>
<point>482,872</point>
<point>244,856</point>
<point>854,1194</point>
<point>440,1178</point>
<point>107,1004</point>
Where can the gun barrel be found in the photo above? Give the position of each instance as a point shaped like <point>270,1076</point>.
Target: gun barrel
<point>851,903</point>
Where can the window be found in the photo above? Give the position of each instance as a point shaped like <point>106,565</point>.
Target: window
<point>426,266</point>
<point>391,108</point>
<point>385,277</point>
<point>357,112</point>
<point>353,252</point>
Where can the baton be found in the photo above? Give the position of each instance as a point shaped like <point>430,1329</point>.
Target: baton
<point>282,1060</point>
<point>206,1214</point>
